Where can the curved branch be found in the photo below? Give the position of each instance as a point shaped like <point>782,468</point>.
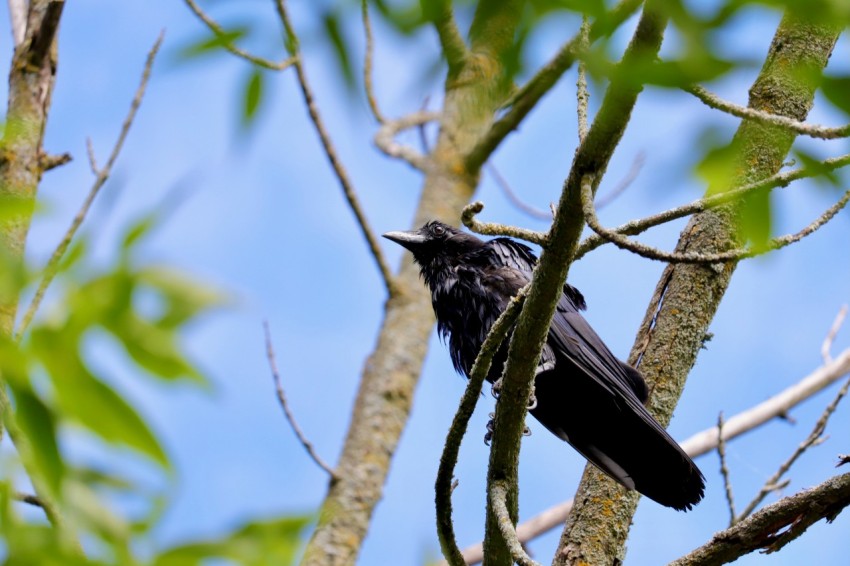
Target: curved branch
<point>635,227</point>
<point>650,252</point>
<point>330,151</point>
<point>385,138</point>
<point>368,60</point>
<point>811,130</point>
<point>454,47</point>
<point>493,229</point>
<point>498,500</point>
<point>233,48</point>
<point>774,526</point>
<point>480,370</point>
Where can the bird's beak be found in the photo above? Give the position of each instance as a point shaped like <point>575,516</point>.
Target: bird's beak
<point>410,240</point>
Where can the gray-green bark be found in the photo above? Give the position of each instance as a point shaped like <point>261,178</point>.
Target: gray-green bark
<point>675,326</point>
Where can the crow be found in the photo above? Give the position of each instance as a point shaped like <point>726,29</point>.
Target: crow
<point>584,394</point>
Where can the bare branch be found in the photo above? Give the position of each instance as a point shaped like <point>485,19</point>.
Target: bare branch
<point>43,36</point>
<point>813,439</point>
<point>498,501</point>
<point>367,63</point>
<point>29,499</point>
<point>826,347</point>
<point>233,48</point>
<point>811,130</point>
<point>454,47</point>
<point>480,369</point>
<point>635,227</point>
<point>49,161</point>
<point>582,95</point>
<point>724,470</point>
<point>493,229</point>
<point>18,20</point>
<point>281,397</point>
<point>774,526</point>
<point>385,138</point>
<point>101,176</point>
<point>330,151</point>
<point>698,257</point>
<point>503,184</point>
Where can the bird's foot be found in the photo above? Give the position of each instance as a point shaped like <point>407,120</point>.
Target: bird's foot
<point>532,400</point>
<point>496,388</point>
<point>491,425</point>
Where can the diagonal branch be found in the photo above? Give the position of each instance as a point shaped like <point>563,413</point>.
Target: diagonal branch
<point>498,499</point>
<point>330,151</point>
<point>635,227</point>
<point>650,252</point>
<point>811,130</point>
<point>774,526</point>
<point>284,404</point>
<point>233,48</point>
<point>724,470</point>
<point>494,229</point>
<point>385,138</point>
<point>101,176</point>
<point>454,47</point>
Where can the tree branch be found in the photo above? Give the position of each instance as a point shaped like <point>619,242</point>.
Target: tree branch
<point>330,151</point>
<point>498,494</point>
<point>233,48</point>
<point>445,473</point>
<point>18,20</point>
<point>368,60</point>
<point>385,138</point>
<point>494,229</point>
<point>635,227</point>
<point>281,397</point>
<point>811,130</point>
<point>724,470</point>
<point>454,47</point>
<point>101,176</point>
<point>650,252</point>
<point>774,526</point>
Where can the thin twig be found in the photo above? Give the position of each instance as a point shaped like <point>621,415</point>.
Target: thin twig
<point>368,60</point>
<point>281,397</point>
<point>330,151</point>
<point>826,347</point>
<point>231,47</point>
<point>811,130</point>
<point>650,252</point>
<point>101,176</point>
<point>480,370</point>
<point>498,501</point>
<point>724,469</point>
<point>624,183</point>
<point>582,94</point>
<point>492,229</point>
<point>702,442</point>
<point>773,483</point>
<point>385,138</point>
<point>521,205</point>
<point>635,227</point>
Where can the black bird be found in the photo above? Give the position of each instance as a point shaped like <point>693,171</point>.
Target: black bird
<point>584,394</point>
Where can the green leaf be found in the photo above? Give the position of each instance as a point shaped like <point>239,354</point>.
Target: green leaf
<point>253,96</point>
<point>274,541</point>
<point>87,400</point>
<point>38,424</point>
<point>837,91</point>
<point>183,298</point>
<point>207,44</point>
<point>341,48</point>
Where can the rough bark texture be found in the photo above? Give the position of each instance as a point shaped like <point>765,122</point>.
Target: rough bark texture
<point>473,95</point>
<point>532,326</point>
<point>688,296</point>
<point>31,79</point>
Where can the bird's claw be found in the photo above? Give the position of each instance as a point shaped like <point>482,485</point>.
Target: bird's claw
<point>496,388</point>
<point>532,401</point>
<point>491,425</point>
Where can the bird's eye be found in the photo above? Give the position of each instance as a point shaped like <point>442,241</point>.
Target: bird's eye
<point>439,230</point>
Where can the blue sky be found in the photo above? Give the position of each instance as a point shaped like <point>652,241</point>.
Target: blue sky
<point>265,221</point>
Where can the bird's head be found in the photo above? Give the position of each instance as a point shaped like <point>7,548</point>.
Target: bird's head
<point>435,241</point>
